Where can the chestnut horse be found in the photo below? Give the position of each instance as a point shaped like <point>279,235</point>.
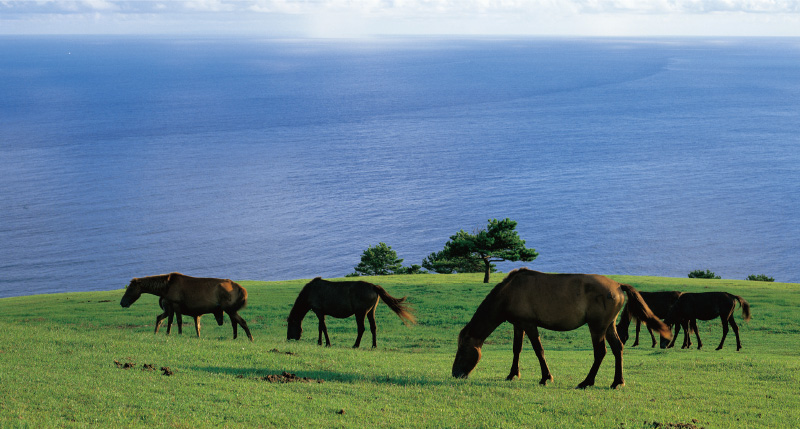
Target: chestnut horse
<point>659,303</point>
<point>191,296</point>
<point>707,306</point>
<point>342,300</point>
<point>170,312</point>
<point>561,302</point>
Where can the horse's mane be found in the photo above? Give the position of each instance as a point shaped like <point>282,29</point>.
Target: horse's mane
<point>484,310</point>
<point>301,306</point>
<point>155,284</point>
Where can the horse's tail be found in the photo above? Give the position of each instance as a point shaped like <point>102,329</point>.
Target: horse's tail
<point>397,305</point>
<point>744,304</point>
<point>639,309</point>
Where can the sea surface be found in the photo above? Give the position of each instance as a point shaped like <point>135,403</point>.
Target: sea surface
<point>264,159</point>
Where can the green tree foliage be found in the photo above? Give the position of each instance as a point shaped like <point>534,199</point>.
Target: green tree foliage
<point>760,278</point>
<point>700,274</point>
<point>381,260</point>
<point>442,262</point>
<point>378,261</point>
<point>498,242</point>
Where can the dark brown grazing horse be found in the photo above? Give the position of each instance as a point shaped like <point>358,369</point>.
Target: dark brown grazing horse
<point>659,303</point>
<point>342,300</point>
<point>170,312</point>
<point>191,296</point>
<point>707,306</point>
<point>560,302</point>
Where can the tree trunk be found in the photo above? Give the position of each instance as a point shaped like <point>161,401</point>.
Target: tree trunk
<point>488,269</point>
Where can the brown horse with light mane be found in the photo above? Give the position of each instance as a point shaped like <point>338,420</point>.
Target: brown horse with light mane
<point>191,296</point>
<point>707,306</point>
<point>560,302</point>
<point>342,300</point>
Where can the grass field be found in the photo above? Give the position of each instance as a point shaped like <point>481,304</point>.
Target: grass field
<point>62,359</point>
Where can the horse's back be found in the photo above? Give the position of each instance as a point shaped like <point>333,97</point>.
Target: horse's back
<point>342,299</point>
<point>202,294</point>
<point>561,301</point>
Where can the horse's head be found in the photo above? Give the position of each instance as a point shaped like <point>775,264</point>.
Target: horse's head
<point>295,330</point>
<point>132,293</point>
<point>468,354</point>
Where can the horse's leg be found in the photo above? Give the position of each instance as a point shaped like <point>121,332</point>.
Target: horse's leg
<point>323,329</point>
<point>652,337</point>
<point>236,319</point>
<point>687,330</point>
<point>672,341</point>
<point>235,325</point>
<point>197,325</point>
<point>359,329</point>
<point>179,316</point>
<point>372,326</point>
<point>519,333</point>
<point>693,326</point>
<point>735,331</point>
<point>599,346</point>
<point>724,331</point>
<point>536,342</point>
<point>638,327</point>
<point>616,349</point>
<point>219,316</point>
<point>169,322</point>
<point>159,319</point>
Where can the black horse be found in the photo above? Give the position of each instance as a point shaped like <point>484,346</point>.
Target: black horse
<point>707,306</point>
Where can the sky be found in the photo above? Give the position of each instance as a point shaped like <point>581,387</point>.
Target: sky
<point>364,18</point>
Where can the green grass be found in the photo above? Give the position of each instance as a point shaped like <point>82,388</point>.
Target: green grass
<point>57,367</point>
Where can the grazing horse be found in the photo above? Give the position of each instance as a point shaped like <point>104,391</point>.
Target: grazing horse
<point>659,303</point>
<point>191,296</point>
<point>560,302</point>
<point>170,312</point>
<point>342,300</point>
<point>707,306</point>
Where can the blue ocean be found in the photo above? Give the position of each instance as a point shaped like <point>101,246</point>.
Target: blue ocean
<point>265,159</point>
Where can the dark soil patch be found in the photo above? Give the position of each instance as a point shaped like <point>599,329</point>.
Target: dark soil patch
<point>667,425</point>
<point>278,351</point>
<point>126,365</point>
<point>148,367</point>
<point>167,371</point>
<point>287,377</point>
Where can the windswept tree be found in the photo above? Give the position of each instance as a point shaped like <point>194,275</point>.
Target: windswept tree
<point>498,242</point>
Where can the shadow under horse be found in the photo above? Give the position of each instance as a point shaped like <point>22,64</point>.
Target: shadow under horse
<point>660,303</point>
<point>192,296</point>
<point>707,306</point>
<point>342,300</point>
<point>560,302</point>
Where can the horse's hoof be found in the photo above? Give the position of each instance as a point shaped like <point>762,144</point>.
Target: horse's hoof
<point>544,380</point>
<point>512,376</point>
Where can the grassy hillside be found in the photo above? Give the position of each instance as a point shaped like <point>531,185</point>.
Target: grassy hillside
<point>62,359</point>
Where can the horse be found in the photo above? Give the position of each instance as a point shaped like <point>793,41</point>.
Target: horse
<point>342,300</point>
<point>191,296</point>
<point>659,303</point>
<point>170,312</point>
<point>561,302</point>
<point>707,306</point>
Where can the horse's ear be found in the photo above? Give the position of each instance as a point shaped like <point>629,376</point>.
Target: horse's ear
<point>169,277</point>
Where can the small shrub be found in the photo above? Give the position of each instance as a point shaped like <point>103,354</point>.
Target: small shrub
<point>760,278</point>
<point>700,274</point>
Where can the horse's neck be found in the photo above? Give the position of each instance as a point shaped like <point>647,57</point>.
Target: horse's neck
<point>300,308</point>
<point>156,286</point>
<point>483,323</point>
